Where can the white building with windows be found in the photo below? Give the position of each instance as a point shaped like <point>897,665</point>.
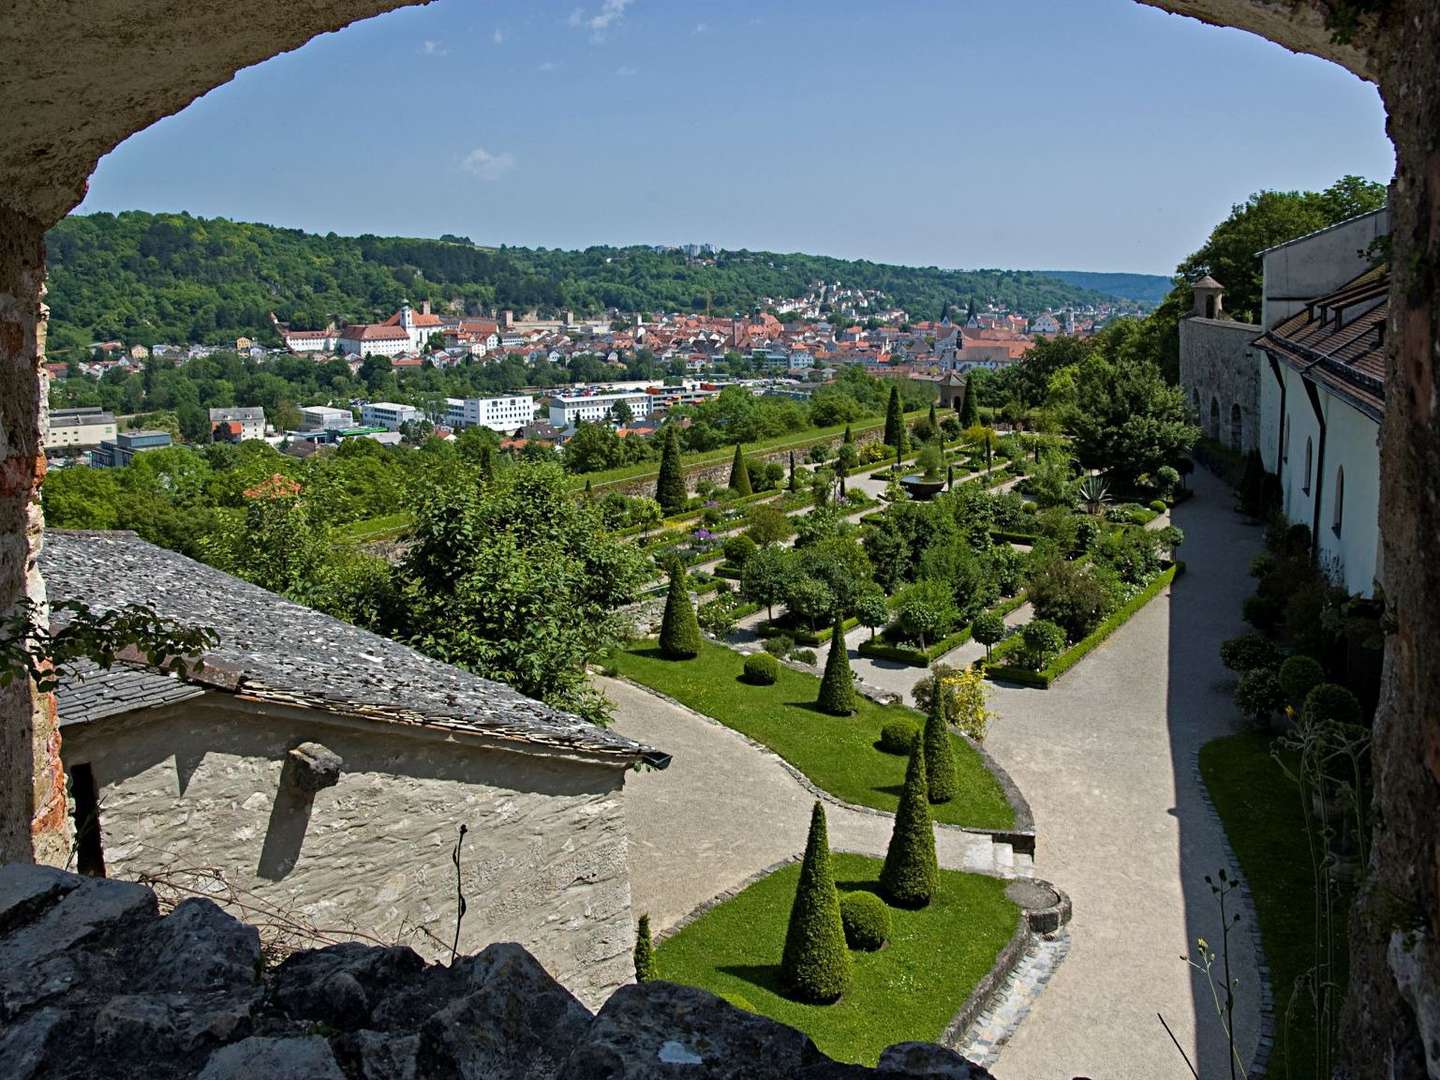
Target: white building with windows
<point>566,412</point>
<point>388,414</point>
<point>506,414</point>
<point>325,418</point>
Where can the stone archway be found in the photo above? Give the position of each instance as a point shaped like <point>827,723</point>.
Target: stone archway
<point>78,79</point>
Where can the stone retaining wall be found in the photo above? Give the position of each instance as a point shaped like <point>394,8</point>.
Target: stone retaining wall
<point>98,984</point>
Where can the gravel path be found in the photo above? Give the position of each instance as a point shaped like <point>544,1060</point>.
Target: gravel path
<point>725,809</point>
<point>1107,760</point>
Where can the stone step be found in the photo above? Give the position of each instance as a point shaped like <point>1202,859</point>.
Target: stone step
<point>1004,856</point>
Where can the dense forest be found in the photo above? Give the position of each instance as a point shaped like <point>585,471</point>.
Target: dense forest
<point>151,278</point>
<point>1142,288</point>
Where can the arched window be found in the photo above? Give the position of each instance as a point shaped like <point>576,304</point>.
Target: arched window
<point>1235,426</point>
<point>1339,499</point>
<point>1209,307</point>
<point>1214,432</point>
<point>1308,450</point>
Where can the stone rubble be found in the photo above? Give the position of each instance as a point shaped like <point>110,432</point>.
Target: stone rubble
<point>98,984</point>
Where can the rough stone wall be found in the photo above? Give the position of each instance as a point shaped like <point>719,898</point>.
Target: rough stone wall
<point>544,862</point>
<point>1217,363</point>
<point>33,821</point>
<point>1392,1022</point>
<point>98,985</point>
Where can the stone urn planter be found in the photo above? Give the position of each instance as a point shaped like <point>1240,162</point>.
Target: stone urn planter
<point>921,489</point>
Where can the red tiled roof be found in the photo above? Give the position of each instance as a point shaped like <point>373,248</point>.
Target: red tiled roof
<point>374,332</point>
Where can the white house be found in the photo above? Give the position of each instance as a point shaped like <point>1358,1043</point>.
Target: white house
<point>387,414</point>
<point>566,412</point>
<point>375,339</point>
<point>247,422</point>
<point>506,414</point>
<point>1326,382</point>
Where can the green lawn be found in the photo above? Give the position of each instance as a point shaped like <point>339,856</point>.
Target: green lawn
<point>1260,808</point>
<point>837,753</point>
<point>370,530</point>
<point>909,990</point>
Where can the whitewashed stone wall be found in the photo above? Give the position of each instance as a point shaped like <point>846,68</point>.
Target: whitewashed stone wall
<point>544,862</point>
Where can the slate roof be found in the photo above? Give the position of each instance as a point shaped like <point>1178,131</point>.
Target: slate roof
<point>274,651</point>
<point>1336,341</point>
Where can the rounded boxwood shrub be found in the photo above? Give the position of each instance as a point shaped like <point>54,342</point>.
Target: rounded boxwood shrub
<point>761,669</point>
<point>1158,505</point>
<point>1262,565</point>
<point>737,549</point>
<point>866,920</point>
<point>1298,676</point>
<point>1258,695</point>
<point>1029,507</point>
<point>1248,652</point>
<point>803,656</point>
<point>1330,701</point>
<point>898,736</point>
<point>779,645</point>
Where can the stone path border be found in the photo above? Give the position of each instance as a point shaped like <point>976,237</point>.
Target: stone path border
<point>991,1027</point>
<point>1022,841</point>
<point>1265,1044</point>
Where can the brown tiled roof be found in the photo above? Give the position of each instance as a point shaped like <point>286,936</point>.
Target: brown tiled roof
<point>1336,340</point>
<point>374,332</point>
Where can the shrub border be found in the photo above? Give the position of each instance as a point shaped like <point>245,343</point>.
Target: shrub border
<point>809,638</point>
<point>925,657</point>
<point>1046,676</point>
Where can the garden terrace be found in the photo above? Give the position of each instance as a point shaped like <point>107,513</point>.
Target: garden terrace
<point>908,991</point>
<point>837,754</point>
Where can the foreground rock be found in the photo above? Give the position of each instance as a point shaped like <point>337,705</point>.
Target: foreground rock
<point>96,983</point>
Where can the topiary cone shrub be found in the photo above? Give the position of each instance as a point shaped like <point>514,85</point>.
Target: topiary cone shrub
<point>815,966</point>
<point>911,873</point>
<point>670,490</point>
<point>837,685</point>
<point>644,951</point>
<point>866,920</point>
<point>739,474</point>
<point>942,781</point>
<point>679,629</point>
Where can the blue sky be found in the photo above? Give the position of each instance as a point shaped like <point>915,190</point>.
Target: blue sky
<point>1062,134</point>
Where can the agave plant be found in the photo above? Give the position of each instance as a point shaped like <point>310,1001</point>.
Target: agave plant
<point>1094,494</point>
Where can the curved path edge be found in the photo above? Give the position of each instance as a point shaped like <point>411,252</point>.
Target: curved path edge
<point>1021,838</point>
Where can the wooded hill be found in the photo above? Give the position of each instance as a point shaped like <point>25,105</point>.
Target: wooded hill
<point>175,278</point>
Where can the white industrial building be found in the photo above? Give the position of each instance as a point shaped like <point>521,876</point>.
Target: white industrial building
<point>506,414</point>
<point>387,414</point>
<point>566,412</point>
<point>325,418</point>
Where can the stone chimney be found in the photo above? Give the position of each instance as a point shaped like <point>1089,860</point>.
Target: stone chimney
<point>425,307</point>
<point>507,319</point>
<point>1209,298</point>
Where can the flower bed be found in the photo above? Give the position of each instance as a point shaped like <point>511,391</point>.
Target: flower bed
<point>1043,678</point>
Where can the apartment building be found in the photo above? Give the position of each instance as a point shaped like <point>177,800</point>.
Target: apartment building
<point>505,414</point>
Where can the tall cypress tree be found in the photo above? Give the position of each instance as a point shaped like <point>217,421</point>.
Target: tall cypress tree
<point>740,474</point>
<point>589,490</point>
<point>837,686</point>
<point>941,779</point>
<point>894,419</point>
<point>679,630</point>
<point>815,965</point>
<point>849,436</point>
<point>644,951</point>
<point>934,422</point>
<point>670,487</point>
<point>969,407</point>
<point>911,873</point>
<point>793,482</point>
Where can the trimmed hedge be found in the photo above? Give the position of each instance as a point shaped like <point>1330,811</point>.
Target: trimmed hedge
<point>866,921</point>
<point>761,669</point>
<point>879,649</point>
<point>897,737</point>
<point>1077,652</point>
<point>803,636</point>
